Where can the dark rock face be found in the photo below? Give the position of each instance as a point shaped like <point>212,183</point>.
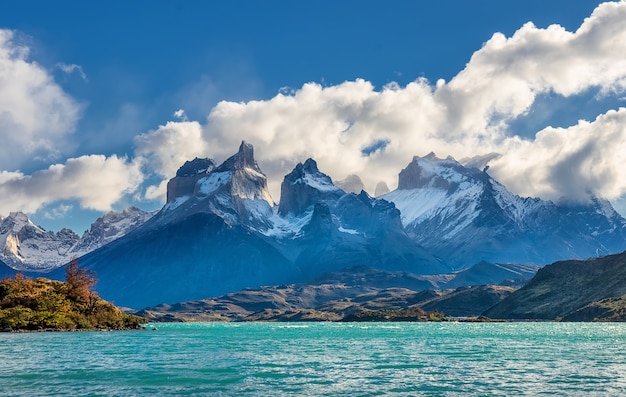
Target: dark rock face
<point>195,167</point>
<point>563,288</point>
<point>236,191</point>
<point>304,187</point>
<point>187,176</point>
<point>244,158</point>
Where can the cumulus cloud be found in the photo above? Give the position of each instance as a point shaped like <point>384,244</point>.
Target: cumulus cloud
<point>96,181</point>
<point>572,163</point>
<point>503,78</point>
<point>165,149</point>
<point>36,115</point>
<point>354,128</point>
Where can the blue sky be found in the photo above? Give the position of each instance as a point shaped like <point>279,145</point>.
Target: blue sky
<point>89,93</point>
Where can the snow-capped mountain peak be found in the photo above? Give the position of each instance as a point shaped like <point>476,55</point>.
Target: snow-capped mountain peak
<point>463,215</point>
<point>235,191</point>
<point>28,247</point>
<point>182,186</point>
<point>305,186</point>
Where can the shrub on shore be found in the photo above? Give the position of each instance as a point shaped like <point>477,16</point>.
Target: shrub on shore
<point>43,304</point>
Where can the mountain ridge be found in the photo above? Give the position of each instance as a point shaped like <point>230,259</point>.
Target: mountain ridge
<point>463,215</point>
<point>28,247</point>
<point>221,230</point>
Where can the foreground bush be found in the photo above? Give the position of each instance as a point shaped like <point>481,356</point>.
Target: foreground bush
<point>42,304</point>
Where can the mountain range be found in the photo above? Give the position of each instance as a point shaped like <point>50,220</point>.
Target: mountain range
<point>462,215</point>
<point>27,247</point>
<point>220,230</point>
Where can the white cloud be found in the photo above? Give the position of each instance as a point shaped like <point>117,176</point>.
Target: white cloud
<point>165,149</point>
<point>36,115</point>
<point>349,128</point>
<point>58,212</point>
<point>465,117</point>
<point>332,125</point>
<point>71,68</point>
<point>503,78</point>
<point>180,114</point>
<point>569,163</point>
<point>96,181</point>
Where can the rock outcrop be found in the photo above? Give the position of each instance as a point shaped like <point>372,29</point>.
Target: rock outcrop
<point>305,186</point>
<point>184,183</point>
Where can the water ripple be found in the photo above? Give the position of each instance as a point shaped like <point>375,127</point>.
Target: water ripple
<point>259,359</point>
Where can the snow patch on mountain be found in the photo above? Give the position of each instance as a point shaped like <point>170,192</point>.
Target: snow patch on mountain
<point>289,226</point>
<point>213,182</point>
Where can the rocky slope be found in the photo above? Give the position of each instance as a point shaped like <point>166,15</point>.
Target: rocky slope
<point>574,290</point>
<point>463,216</point>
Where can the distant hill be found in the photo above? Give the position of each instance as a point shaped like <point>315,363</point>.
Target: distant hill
<point>341,295</point>
<point>571,291</point>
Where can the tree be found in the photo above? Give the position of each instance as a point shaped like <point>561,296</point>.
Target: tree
<point>79,282</point>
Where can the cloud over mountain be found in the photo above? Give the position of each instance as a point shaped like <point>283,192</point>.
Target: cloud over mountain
<point>468,116</point>
<point>352,127</point>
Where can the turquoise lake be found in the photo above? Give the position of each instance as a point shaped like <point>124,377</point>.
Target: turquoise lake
<point>320,359</point>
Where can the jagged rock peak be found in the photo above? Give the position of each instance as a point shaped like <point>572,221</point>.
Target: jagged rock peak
<point>195,167</point>
<point>15,221</point>
<point>310,166</point>
<point>305,186</point>
<point>183,184</point>
<point>244,158</point>
<point>430,171</point>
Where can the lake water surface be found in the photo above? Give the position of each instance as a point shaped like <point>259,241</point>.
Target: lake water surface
<point>314,359</point>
